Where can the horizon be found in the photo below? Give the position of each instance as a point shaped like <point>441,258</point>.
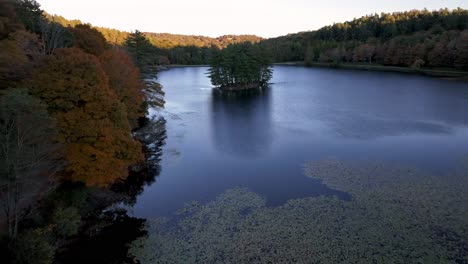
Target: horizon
<point>196,19</point>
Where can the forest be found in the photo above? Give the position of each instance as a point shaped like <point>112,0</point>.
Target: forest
<point>416,38</point>
<point>169,48</point>
<point>70,102</point>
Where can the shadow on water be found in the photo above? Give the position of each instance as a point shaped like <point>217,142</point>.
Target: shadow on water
<point>241,122</point>
<point>242,127</point>
<point>153,136</point>
<point>259,141</point>
<point>108,234</point>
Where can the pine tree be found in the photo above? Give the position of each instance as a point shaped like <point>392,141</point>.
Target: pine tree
<point>240,66</point>
<point>139,47</point>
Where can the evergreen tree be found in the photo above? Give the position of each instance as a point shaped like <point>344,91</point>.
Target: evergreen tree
<point>240,66</point>
<point>139,47</point>
<point>30,14</point>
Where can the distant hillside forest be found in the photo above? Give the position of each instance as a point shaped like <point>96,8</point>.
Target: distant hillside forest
<point>170,48</point>
<point>417,38</point>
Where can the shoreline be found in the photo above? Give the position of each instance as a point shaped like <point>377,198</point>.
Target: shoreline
<point>437,73</point>
<point>450,74</point>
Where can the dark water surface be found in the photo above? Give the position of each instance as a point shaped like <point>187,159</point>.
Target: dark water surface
<point>262,141</point>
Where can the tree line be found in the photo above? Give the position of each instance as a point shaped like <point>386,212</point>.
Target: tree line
<point>169,48</point>
<point>417,38</point>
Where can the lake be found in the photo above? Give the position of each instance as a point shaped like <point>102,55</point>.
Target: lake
<point>262,141</point>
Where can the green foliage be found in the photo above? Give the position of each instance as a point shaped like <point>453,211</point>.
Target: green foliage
<point>242,65</point>
<point>139,47</point>
<point>30,14</point>
<point>33,247</point>
<point>396,39</point>
<point>396,215</point>
<point>66,221</point>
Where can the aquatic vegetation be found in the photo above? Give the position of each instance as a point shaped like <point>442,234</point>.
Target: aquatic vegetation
<point>396,215</point>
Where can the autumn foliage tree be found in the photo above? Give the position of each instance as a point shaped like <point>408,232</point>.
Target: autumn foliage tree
<point>89,39</point>
<point>71,123</point>
<point>91,119</point>
<point>125,81</point>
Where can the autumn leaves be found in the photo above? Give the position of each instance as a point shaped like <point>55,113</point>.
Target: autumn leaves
<point>94,100</point>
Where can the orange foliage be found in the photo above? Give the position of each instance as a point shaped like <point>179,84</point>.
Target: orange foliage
<point>125,80</point>
<point>89,39</point>
<point>92,121</point>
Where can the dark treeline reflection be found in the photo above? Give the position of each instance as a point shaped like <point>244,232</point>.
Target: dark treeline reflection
<point>398,107</point>
<point>369,106</point>
<point>116,228</point>
<point>241,123</point>
<point>153,136</point>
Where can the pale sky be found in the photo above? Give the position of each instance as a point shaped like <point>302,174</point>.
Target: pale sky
<point>265,18</point>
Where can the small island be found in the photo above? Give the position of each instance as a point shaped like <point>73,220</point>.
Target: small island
<point>240,67</point>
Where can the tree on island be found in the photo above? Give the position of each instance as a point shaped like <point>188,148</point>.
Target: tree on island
<point>240,66</point>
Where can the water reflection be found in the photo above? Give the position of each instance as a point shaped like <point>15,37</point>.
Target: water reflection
<point>115,229</point>
<point>368,106</point>
<point>356,126</point>
<point>241,123</point>
<point>260,142</point>
<point>153,137</point>
<point>388,105</point>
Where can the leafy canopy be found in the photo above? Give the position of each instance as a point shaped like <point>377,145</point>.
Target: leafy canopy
<point>92,121</point>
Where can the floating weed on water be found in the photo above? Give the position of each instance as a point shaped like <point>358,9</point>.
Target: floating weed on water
<point>396,215</point>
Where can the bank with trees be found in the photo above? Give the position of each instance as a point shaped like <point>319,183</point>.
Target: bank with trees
<point>413,39</point>
<point>418,39</point>
<point>69,104</point>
